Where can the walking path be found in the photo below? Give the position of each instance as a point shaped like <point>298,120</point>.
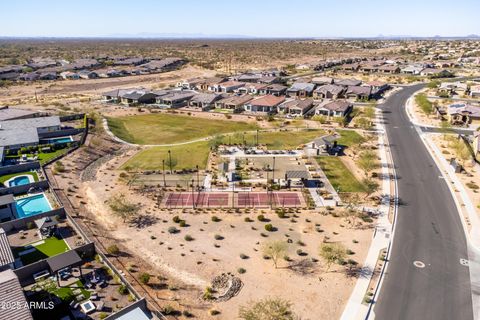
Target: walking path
<point>355,309</point>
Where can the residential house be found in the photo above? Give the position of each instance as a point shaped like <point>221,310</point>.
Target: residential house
<point>7,113</point>
<point>296,107</point>
<point>436,73</point>
<point>350,67</point>
<point>175,99</point>
<point>463,114</point>
<point>389,68</point>
<point>13,298</point>
<point>234,103</point>
<point>29,76</point>
<point>69,75</point>
<point>347,82</point>
<point>190,84</point>
<point>251,88</point>
<point>475,91</point>
<point>7,210</point>
<point>136,97</point>
<point>265,104</point>
<point>322,80</point>
<point>48,76</point>
<point>338,108</point>
<point>378,87</point>
<point>453,88</point>
<point>228,86</point>
<point>413,69</point>
<point>329,91</point>
<point>9,76</point>
<point>204,101</point>
<point>301,90</point>
<point>359,92</point>
<point>210,84</point>
<point>87,74</point>
<point>15,134</point>
<point>273,89</point>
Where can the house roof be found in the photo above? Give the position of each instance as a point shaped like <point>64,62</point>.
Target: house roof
<point>299,86</point>
<point>348,82</point>
<point>232,83</point>
<point>6,255</point>
<point>205,97</point>
<point>11,293</point>
<point>359,90</point>
<point>267,101</point>
<point>298,104</point>
<point>332,88</point>
<point>177,96</point>
<point>38,122</point>
<point>322,80</point>
<point>236,100</point>
<point>8,113</point>
<point>45,222</point>
<point>63,260</point>
<point>276,87</point>
<point>6,199</point>
<point>462,108</point>
<point>296,174</point>
<point>338,105</point>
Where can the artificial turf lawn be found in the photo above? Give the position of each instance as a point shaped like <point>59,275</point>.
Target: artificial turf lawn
<point>25,173</point>
<point>51,247</point>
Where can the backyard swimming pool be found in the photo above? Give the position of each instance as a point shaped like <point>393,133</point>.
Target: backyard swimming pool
<point>19,181</point>
<point>59,140</point>
<point>32,205</point>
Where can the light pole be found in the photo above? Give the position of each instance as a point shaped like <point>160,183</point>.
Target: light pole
<point>193,195</point>
<point>257,138</point>
<point>163,171</point>
<point>198,178</point>
<point>170,161</point>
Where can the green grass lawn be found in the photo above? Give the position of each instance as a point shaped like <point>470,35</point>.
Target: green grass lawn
<point>43,157</point>
<point>349,138</point>
<point>51,247</point>
<point>29,173</point>
<point>187,156</point>
<point>168,128</point>
<point>339,176</point>
<point>65,293</point>
<point>280,140</point>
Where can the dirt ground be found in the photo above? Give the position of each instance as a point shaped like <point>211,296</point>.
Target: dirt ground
<point>470,177</point>
<point>217,247</point>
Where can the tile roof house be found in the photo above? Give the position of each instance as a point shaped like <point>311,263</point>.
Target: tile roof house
<point>358,92</point>
<point>347,82</point>
<point>6,256</point>
<point>233,102</point>
<point>273,89</point>
<point>228,86</point>
<point>322,80</point>
<point>251,88</point>
<point>296,107</point>
<point>339,108</point>
<point>176,99</point>
<point>301,89</point>
<point>264,104</point>
<point>329,91</point>
<point>204,101</point>
<point>11,293</point>
<point>462,113</point>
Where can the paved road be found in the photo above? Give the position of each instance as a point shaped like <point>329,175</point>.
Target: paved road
<point>428,229</point>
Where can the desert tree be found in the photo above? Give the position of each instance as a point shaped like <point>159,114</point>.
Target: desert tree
<point>275,250</point>
<point>332,253</point>
<point>122,208</point>
<point>267,309</point>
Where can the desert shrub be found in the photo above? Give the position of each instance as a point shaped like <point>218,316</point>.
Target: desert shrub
<point>113,249</point>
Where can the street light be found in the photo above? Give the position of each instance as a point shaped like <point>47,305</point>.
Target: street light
<point>163,171</point>
<point>193,195</point>
<point>170,161</point>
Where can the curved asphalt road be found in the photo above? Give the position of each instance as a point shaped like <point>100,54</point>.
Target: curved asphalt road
<point>428,229</point>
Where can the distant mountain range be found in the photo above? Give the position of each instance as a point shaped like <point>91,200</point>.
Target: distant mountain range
<point>150,35</point>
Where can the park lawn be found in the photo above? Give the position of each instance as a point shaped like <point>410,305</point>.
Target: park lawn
<point>339,176</point>
<point>51,247</point>
<point>168,128</point>
<point>349,138</point>
<point>279,140</point>
<point>187,156</point>
<point>25,173</point>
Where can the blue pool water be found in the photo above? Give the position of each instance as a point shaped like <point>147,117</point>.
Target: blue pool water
<point>59,140</point>
<point>32,205</point>
<point>18,181</point>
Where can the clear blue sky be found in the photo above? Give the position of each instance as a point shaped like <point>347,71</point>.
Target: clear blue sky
<point>262,18</point>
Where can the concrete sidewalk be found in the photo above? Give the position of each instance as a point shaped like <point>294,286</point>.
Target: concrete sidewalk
<point>355,309</point>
